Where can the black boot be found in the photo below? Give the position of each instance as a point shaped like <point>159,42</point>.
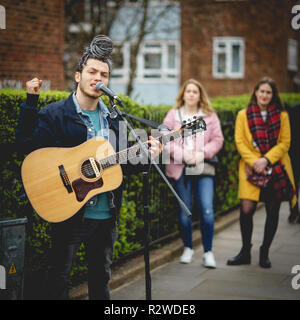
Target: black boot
<point>264,261</point>
<point>294,214</point>
<point>298,219</point>
<point>244,257</point>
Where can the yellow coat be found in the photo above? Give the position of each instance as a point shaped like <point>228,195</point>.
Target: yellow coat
<point>249,154</point>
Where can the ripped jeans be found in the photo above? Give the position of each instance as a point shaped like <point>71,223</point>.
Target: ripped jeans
<point>200,189</point>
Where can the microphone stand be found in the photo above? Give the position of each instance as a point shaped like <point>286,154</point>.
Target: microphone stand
<point>145,192</point>
<point>147,233</point>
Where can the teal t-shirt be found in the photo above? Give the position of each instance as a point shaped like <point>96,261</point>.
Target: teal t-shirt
<point>97,207</point>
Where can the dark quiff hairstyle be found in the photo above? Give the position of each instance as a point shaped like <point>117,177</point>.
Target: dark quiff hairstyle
<point>275,98</point>
<point>100,48</point>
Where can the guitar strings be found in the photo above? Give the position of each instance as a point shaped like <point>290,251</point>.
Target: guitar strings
<point>117,158</point>
<point>127,154</point>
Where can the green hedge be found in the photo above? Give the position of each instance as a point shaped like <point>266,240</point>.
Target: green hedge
<point>13,204</point>
<point>226,181</point>
<point>162,207</point>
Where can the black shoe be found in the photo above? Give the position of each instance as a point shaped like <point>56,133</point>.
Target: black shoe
<point>264,260</point>
<point>244,257</point>
<point>294,215</point>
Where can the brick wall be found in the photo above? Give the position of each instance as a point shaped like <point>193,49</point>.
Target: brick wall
<point>33,42</point>
<point>265,26</point>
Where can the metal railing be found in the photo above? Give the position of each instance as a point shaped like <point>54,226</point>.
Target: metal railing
<point>163,206</point>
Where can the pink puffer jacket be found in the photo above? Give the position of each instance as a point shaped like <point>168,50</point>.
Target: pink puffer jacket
<point>213,142</point>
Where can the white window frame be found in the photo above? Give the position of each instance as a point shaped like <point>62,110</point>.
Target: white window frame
<point>164,71</point>
<point>152,3</point>
<point>122,73</point>
<point>229,42</point>
<point>292,55</point>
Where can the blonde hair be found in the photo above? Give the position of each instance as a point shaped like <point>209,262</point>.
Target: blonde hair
<point>203,103</point>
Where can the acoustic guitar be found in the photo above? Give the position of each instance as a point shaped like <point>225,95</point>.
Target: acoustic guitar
<point>59,181</point>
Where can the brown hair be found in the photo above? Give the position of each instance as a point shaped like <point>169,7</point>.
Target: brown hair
<point>100,49</point>
<point>203,103</point>
<point>275,97</point>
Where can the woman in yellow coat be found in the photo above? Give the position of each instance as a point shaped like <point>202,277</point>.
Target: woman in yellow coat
<point>262,136</point>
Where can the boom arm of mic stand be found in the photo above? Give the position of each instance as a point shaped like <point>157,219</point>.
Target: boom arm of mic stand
<point>149,156</point>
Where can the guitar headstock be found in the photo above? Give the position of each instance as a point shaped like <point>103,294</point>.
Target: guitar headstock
<point>188,128</point>
<point>193,126</point>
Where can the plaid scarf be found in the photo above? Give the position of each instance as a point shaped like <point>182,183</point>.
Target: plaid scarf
<point>265,135</point>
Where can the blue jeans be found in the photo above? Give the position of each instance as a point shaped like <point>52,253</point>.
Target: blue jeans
<point>200,189</point>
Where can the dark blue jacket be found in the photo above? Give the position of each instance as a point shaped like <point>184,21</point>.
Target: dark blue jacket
<point>59,125</point>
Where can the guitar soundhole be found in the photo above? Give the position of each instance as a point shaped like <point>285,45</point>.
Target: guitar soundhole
<point>87,170</point>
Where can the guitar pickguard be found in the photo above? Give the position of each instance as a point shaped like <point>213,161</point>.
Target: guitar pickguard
<point>82,188</point>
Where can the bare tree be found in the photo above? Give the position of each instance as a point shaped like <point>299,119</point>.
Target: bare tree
<point>136,47</point>
<point>83,22</point>
<point>146,19</point>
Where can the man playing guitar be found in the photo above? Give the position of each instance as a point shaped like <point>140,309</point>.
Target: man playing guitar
<point>67,124</point>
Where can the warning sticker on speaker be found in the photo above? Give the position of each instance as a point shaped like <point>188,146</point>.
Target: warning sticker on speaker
<point>12,269</point>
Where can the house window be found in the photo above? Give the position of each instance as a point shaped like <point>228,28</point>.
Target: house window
<point>121,58</point>
<point>292,55</point>
<point>228,57</point>
<point>152,61</point>
<point>157,60</point>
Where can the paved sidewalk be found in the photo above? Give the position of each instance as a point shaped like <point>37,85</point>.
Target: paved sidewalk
<point>175,281</point>
<point>135,267</point>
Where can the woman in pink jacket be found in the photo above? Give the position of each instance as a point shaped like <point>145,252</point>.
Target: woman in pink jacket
<point>187,162</point>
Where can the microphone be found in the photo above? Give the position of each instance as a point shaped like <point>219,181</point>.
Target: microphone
<point>108,92</point>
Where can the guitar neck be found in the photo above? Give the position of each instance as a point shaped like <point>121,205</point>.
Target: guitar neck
<point>198,124</point>
<point>123,156</point>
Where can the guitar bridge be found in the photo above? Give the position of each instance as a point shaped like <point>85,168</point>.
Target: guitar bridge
<point>95,168</point>
<point>65,178</point>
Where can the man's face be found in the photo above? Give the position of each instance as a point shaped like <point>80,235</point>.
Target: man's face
<point>92,72</point>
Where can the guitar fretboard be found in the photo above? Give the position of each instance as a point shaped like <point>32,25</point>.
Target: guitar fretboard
<point>134,151</point>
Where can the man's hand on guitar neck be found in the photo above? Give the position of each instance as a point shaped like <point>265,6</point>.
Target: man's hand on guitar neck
<point>155,147</point>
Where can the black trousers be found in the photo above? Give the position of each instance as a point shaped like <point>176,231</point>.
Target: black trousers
<point>99,237</point>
